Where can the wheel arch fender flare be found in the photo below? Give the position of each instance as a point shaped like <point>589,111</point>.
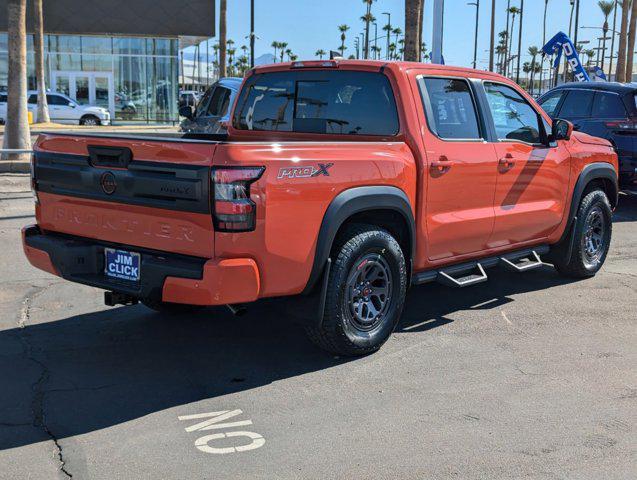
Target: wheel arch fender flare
<point>593,171</point>
<point>348,203</point>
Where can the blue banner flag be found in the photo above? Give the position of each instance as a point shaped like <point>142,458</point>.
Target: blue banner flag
<point>561,43</point>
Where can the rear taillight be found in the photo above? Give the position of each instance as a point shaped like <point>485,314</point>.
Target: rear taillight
<point>623,125</point>
<point>232,208</point>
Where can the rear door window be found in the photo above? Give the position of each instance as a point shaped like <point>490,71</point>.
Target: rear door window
<point>33,99</point>
<point>450,108</point>
<point>514,118</point>
<point>608,105</point>
<point>578,104</point>
<point>329,102</point>
<point>56,100</point>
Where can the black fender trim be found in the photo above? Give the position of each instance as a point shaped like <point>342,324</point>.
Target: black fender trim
<point>351,202</point>
<point>592,171</point>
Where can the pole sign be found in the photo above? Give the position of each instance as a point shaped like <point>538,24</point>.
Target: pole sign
<point>561,43</point>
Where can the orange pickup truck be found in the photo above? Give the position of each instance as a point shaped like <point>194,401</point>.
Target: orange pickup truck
<point>344,182</point>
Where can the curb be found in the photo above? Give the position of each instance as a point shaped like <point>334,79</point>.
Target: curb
<point>15,166</point>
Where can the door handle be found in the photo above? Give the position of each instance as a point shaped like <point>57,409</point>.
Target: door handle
<point>507,161</point>
<point>442,164</point>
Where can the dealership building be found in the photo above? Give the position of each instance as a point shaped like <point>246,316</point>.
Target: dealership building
<point>120,55</point>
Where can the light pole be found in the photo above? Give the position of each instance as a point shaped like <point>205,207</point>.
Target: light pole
<point>362,44</point>
<point>375,40</point>
<point>475,40</point>
<point>251,33</point>
<point>492,43</point>
<point>388,33</point>
<point>356,47</point>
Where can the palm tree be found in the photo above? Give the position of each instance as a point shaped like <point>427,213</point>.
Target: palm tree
<point>606,6</point>
<point>620,72</point>
<point>397,31</point>
<point>517,75</point>
<point>612,37</point>
<point>533,51</point>
<point>590,54</point>
<point>513,11</point>
<point>376,51</point>
<point>392,49</point>
<point>282,47</point>
<point>367,18</point>
<point>343,29</point>
<point>413,9</point>
<point>222,37</point>
<point>288,52</point>
<point>16,132</point>
<point>319,53</point>
<point>387,29</point>
<point>293,57</point>
<point>631,43</point>
<point>275,45</point>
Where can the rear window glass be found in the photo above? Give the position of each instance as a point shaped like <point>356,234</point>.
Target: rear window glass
<point>3,97</point>
<point>578,103</point>
<point>332,102</point>
<point>608,105</point>
<point>450,109</point>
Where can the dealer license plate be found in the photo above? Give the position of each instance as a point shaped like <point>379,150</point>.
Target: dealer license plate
<point>122,265</point>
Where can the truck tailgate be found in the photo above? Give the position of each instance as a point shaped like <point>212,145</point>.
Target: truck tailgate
<point>152,193</point>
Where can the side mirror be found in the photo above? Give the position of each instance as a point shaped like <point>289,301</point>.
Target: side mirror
<point>561,130</point>
<point>186,111</point>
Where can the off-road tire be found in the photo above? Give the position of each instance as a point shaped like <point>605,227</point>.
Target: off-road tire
<point>581,265</point>
<point>341,331</point>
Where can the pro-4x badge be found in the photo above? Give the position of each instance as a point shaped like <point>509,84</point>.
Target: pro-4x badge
<point>305,171</point>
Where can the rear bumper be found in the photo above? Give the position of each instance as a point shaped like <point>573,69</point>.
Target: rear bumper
<point>164,276</point>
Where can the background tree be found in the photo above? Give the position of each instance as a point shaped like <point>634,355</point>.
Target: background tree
<point>398,32</point>
<point>387,29</point>
<point>38,46</point>
<point>282,47</point>
<point>343,29</point>
<point>413,10</point>
<point>367,18</point>
<point>275,45</point>
<point>513,11</point>
<point>222,38</point>
<point>16,131</point>
<point>533,52</point>
<point>630,47</point>
<point>606,6</point>
<point>620,72</point>
<point>590,54</point>
<point>320,53</point>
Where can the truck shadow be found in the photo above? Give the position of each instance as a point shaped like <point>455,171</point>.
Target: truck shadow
<point>87,372</point>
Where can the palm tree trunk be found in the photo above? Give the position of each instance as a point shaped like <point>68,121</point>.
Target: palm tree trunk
<point>631,43</point>
<point>412,44</point>
<point>222,38</point>
<point>517,74</point>
<point>510,49</point>
<point>605,30</point>
<point>492,38</point>
<point>620,73</point>
<point>38,44</point>
<point>532,75</point>
<point>369,10</point>
<point>16,132</point>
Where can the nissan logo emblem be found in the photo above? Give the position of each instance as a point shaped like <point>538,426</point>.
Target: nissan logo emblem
<point>108,183</point>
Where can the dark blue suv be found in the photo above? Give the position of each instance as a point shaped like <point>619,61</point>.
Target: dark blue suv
<point>606,110</point>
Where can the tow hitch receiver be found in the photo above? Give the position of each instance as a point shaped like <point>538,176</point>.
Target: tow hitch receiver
<point>115,298</point>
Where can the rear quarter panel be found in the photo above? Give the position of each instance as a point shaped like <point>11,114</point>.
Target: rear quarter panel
<point>290,208</point>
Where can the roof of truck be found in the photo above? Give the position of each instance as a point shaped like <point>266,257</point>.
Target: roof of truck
<point>372,64</point>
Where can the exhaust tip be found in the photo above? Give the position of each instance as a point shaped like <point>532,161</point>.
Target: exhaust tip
<point>238,310</point>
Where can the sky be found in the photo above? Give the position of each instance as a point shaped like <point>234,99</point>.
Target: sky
<point>309,25</point>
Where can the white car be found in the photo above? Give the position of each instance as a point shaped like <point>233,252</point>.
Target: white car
<point>62,109</point>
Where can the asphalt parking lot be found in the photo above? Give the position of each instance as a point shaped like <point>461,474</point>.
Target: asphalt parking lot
<point>525,376</point>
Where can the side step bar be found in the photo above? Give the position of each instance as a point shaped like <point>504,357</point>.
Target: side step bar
<point>471,273</point>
